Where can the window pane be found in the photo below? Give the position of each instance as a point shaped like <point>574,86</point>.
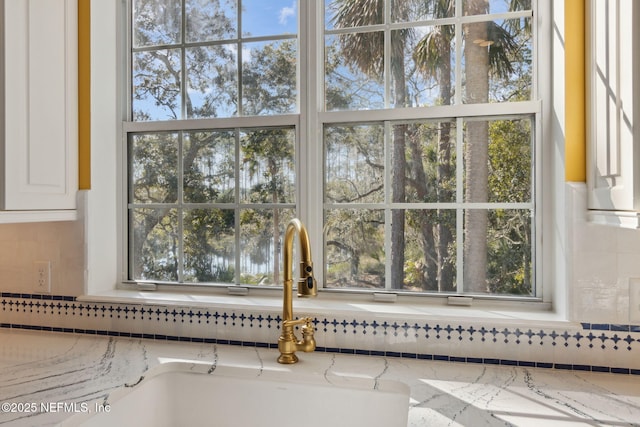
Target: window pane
<point>510,161</point>
<point>430,250</point>
<point>261,233</point>
<point>511,63</point>
<point>498,257</point>
<point>510,267</point>
<point>407,11</point>
<point>267,172</point>
<point>428,61</point>
<point>478,7</point>
<point>154,250</point>
<point>354,248</point>
<point>352,14</point>
<point>429,162</point>
<point>269,72</point>
<point>156,85</point>
<point>209,245</point>
<point>498,161</point>
<point>216,85</point>
<point>354,163</point>
<point>212,79</point>
<point>268,18</point>
<point>497,61</point>
<point>209,167</point>
<point>354,77</point>
<point>156,22</point>
<point>153,168</point>
<point>208,20</point>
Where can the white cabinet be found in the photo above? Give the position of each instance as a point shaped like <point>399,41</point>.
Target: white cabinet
<point>39,105</point>
<point>613,72</point>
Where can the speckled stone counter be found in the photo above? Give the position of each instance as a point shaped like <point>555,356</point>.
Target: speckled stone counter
<point>47,378</point>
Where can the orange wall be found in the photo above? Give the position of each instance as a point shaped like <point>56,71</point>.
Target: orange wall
<point>84,97</point>
<point>575,126</point>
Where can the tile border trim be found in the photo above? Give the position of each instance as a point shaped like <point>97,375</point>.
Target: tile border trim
<point>360,352</point>
<point>592,338</point>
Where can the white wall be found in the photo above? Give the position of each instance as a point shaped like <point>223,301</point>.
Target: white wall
<point>61,243</point>
<point>101,202</point>
<point>603,260</point>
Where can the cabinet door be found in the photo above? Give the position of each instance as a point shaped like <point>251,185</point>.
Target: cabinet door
<point>40,104</point>
<point>614,113</point>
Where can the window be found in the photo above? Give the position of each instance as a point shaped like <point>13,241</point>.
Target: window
<point>411,125</point>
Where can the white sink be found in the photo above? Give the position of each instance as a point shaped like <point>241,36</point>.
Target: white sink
<point>237,397</point>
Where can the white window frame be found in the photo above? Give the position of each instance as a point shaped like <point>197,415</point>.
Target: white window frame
<point>459,111</point>
<point>104,217</point>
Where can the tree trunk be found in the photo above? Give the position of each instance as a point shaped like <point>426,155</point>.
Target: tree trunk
<point>444,237</point>
<point>399,174</point>
<point>397,215</point>
<point>443,230</point>
<point>476,151</point>
<point>275,226</point>
<point>420,184</point>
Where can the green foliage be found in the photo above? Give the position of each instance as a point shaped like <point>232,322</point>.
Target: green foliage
<point>509,252</point>
<point>510,154</point>
<point>269,79</point>
<point>510,261</point>
<point>354,248</point>
<point>207,250</point>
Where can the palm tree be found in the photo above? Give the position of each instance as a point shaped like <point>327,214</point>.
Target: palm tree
<point>489,48</point>
<point>476,151</point>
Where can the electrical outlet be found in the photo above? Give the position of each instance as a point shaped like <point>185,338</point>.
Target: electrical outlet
<point>42,271</point>
<point>634,300</point>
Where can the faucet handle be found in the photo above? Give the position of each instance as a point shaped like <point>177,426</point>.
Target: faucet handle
<point>308,328</point>
<point>306,321</point>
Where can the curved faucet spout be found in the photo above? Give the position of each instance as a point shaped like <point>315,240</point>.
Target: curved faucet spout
<point>288,344</point>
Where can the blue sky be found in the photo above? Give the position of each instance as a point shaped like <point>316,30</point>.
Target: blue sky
<point>261,17</point>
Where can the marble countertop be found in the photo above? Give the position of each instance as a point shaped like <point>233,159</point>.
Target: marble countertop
<point>46,377</point>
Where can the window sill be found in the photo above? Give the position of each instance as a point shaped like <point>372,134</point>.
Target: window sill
<point>328,303</point>
<point>620,219</point>
<point>14,217</point>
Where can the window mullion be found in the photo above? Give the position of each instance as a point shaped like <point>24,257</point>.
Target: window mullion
<point>180,207</point>
<point>311,203</point>
<point>387,55</point>
<point>236,209</point>
<point>460,200</point>
<point>388,188</point>
<point>183,62</point>
<point>180,166</point>
<point>458,53</point>
<point>239,58</point>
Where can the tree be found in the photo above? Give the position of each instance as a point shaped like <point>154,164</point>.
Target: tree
<point>509,239</point>
<point>487,48</point>
<point>433,58</point>
<point>268,157</point>
<point>365,52</point>
<point>205,85</point>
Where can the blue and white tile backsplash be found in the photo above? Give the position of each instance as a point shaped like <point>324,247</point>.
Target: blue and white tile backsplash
<point>591,347</point>
<point>599,263</point>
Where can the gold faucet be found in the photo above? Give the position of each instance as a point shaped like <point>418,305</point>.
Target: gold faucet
<point>288,344</point>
